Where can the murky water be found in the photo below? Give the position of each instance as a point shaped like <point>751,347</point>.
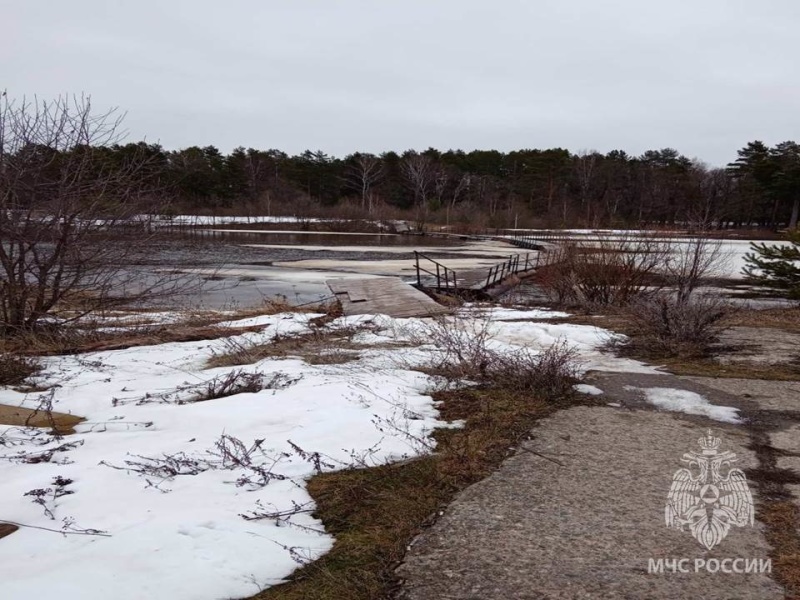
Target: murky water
<point>320,238</point>
<point>237,268</point>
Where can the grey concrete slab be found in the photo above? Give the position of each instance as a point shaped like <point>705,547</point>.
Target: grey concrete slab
<point>762,345</point>
<point>577,513</point>
<point>766,394</point>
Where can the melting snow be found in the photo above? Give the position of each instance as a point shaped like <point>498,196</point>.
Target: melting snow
<point>183,537</point>
<point>690,403</point>
<point>585,388</point>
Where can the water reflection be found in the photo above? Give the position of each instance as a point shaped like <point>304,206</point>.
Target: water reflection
<point>306,238</point>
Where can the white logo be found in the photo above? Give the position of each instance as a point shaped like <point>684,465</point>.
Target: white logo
<point>709,502</point>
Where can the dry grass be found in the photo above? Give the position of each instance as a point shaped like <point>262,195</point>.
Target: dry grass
<point>7,529</point>
<point>787,319</point>
<point>67,340</point>
<point>15,369</point>
<point>318,346</point>
<point>782,520</point>
<point>333,357</point>
<point>374,513</point>
<point>100,335</point>
<point>708,367</point>
<point>21,417</point>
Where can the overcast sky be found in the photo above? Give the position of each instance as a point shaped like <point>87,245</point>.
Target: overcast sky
<point>702,76</point>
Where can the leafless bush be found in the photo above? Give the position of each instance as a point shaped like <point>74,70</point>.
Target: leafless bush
<point>47,497</point>
<point>320,345</point>
<point>313,458</point>
<point>46,446</point>
<point>614,270</point>
<point>229,453</point>
<point>235,382</point>
<point>65,204</point>
<point>44,407</point>
<point>666,325</point>
<point>462,345</point>
<point>238,382</point>
<point>465,353</point>
<point>15,369</point>
<point>611,270</point>
<point>550,373</point>
<point>691,261</point>
<point>281,517</point>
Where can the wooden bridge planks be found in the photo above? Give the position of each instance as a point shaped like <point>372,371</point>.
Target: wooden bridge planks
<point>383,295</point>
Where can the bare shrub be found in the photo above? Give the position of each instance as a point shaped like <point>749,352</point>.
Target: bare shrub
<point>691,261</point>
<point>255,465</point>
<point>465,353</point>
<point>550,373</point>
<point>612,270</point>
<point>312,346</point>
<point>462,344</point>
<point>235,382</point>
<point>47,497</point>
<point>15,369</point>
<point>229,453</point>
<point>69,236</point>
<point>666,325</point>
<point>46,446</point>
<point>617,269</point>
<point>44,412</point>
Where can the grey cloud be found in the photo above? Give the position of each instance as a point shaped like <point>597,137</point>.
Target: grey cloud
<point>345,75</point>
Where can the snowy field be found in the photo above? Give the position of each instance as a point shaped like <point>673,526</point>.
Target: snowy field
<point>159,481</point>
<point>198,220</point>
<point>731,252</point>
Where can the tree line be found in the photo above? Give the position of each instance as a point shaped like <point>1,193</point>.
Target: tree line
<point>761,188</point>
<point>531,187</point>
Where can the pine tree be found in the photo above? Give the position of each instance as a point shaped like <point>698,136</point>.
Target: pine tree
<point>776,266</point>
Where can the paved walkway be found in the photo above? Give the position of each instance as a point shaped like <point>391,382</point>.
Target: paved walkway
<point>579,510</point>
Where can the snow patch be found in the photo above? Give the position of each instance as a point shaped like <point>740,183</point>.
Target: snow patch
<point>690,403</point>
<point>585,388</point>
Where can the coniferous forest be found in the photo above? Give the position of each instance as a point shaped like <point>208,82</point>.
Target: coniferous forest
<point>553,187</point>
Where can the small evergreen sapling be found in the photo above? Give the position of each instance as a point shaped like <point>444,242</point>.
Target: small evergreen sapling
<point>776,266</point>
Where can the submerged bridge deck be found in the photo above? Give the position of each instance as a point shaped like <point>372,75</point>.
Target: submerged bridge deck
<point>383,295</point>
<point>393,296</point>
<point>434,275</point>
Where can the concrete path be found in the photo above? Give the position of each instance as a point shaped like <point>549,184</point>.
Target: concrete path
<point>579,510</point>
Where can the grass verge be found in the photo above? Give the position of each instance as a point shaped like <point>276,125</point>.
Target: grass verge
<point>782,520</point>
<point>786,319</point>
<point>708,367</point>
<point>136,328</point>
<point>374,513</point>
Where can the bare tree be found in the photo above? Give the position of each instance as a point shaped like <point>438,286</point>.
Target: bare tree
<point>64,201</point>
<point>459,190</point>
<point>365,172</point>
<point>585,173</point>
<point>688,263</point>
<point>420,174</point>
